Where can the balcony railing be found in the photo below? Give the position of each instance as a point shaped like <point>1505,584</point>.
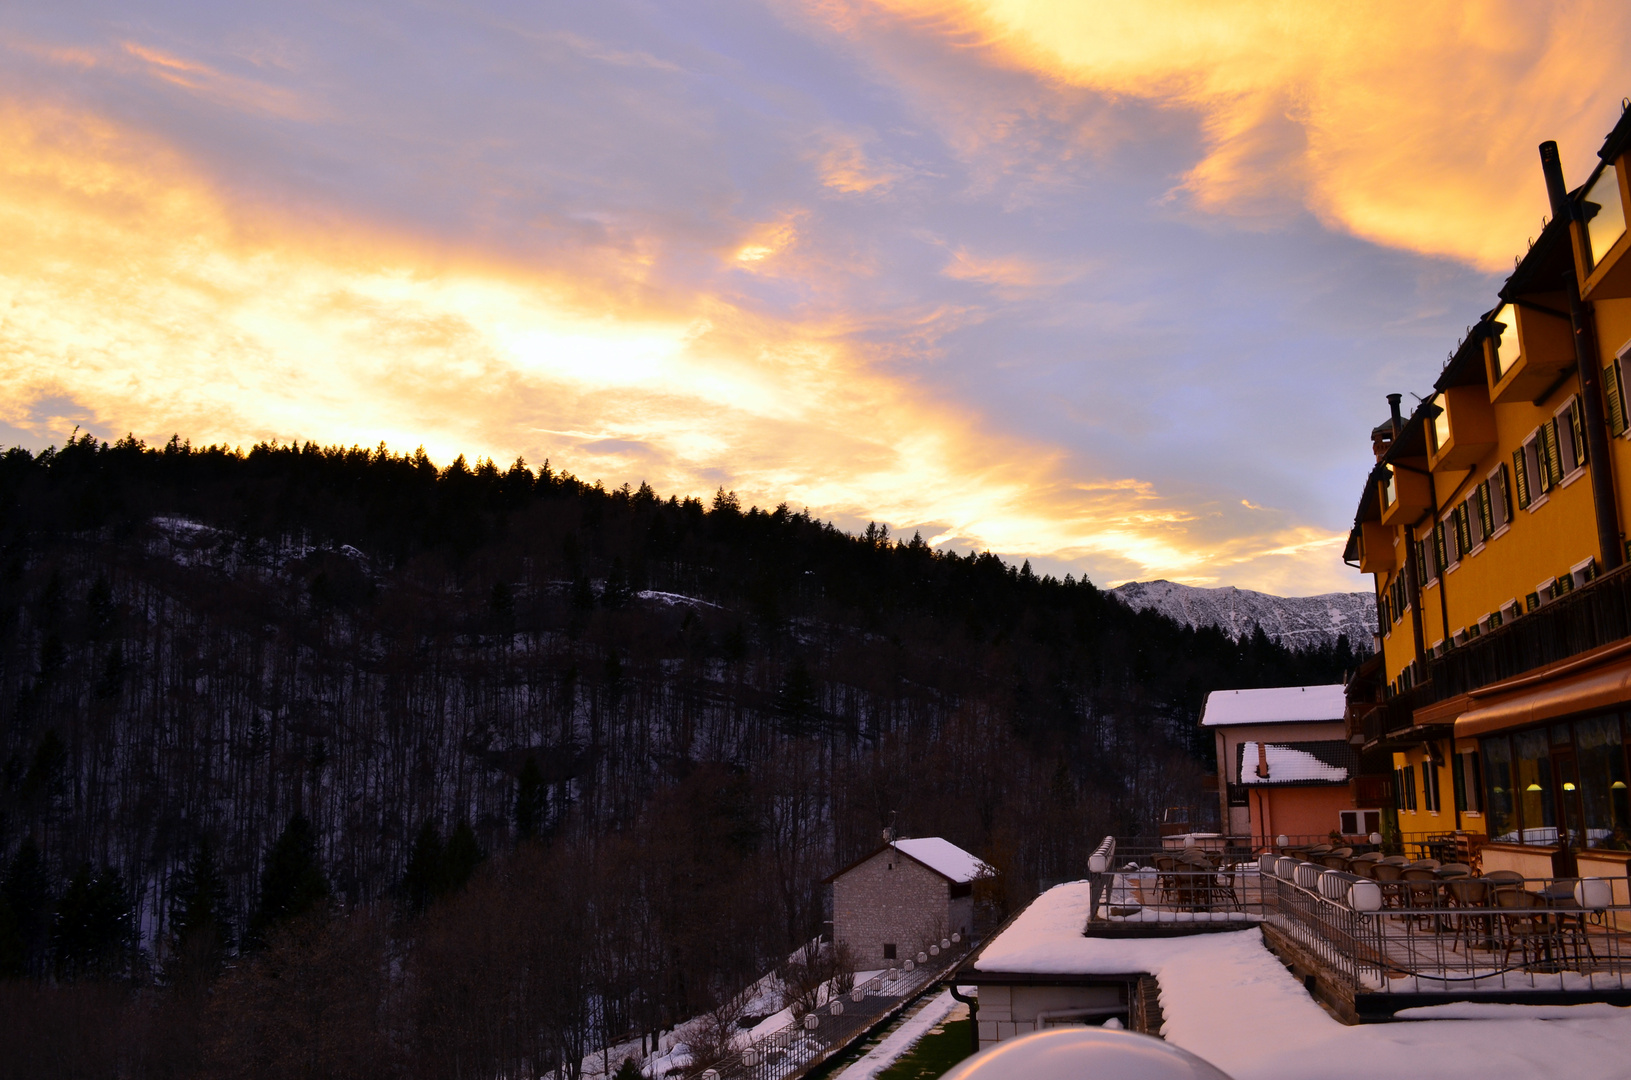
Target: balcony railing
<point>1595,614</point>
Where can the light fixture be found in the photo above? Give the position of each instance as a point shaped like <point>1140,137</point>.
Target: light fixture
<point>1532,787</point>
<point>1618,785</point>
<point>1568,786</point>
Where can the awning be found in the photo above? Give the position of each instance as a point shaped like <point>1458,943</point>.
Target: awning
<point>1600,687</point>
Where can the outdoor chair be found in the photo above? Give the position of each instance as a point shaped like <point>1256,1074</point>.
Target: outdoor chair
<point>1388,875</point>
<point>1166,881</point>
<point>1369,856</point>
<point>1420,890</point>
<point>1469,897</point>
<point>1345,852</point>
<point>1454,869</point>
<point>1505,877</point>
<point>1395,860</point>
<point>1527,925</point>
<point>1422,864</point>
<point>1334,861</point>
<point>1222,889</point>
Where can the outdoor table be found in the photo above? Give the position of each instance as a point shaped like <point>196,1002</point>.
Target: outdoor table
<point>1559,896</point>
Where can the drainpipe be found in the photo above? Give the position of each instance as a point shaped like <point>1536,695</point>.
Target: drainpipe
<point>1412,590</point>
<point>1585,357</point>
<point>973,1004</point>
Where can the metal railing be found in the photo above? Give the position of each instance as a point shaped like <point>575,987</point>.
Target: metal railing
<point>822,1033</point>
<point>1425,933</point>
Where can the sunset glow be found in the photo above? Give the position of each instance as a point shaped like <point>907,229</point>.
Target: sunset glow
<point>988,298</point>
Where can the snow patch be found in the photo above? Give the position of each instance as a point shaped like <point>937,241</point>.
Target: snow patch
<point>944,857</point>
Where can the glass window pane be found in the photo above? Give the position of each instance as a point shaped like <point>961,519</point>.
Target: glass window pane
<point>1602,783</point>
<point>1506,348</point>
<point>1607,224</point>
<point>1533,755</point>
<point>1498,801</point>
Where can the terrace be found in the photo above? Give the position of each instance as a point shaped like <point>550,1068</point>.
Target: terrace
<point>1372,933</point>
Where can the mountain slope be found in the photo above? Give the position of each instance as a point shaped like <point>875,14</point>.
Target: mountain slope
<point>1294,621</point>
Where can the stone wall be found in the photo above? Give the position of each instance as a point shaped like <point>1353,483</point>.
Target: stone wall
<point>893,900</point>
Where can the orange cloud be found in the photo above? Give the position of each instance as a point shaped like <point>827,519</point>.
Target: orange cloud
<point>135,293</point>
<point>1411,124</point>
<point>220,88</point>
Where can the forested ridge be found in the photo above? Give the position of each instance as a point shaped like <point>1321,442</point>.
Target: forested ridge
<point>504,744</point>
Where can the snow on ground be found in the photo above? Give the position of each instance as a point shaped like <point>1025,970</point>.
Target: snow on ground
<point>1228,999</point>
<point>899,1041</point>
<point>671,599</point>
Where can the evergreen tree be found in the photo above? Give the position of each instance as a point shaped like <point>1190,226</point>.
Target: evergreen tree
<point>460,859</point>
<point>27,892</point>
<point>425,878</point>
<point>292,882</point>
<point>798,701</point>
<point>629,1070</point>
<point>200,932</point>
<point>95,930</point>
<point>530,800</point>
<point>617,592</point>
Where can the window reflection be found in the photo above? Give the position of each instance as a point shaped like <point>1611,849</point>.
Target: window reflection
<point>1532,750</point>
<point>1498,801</point>
<point>1603,799</point>
<point>1506,346</point>
<point>1606,222</point>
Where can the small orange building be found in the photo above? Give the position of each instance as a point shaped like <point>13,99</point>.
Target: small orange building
<point>1284,762</point>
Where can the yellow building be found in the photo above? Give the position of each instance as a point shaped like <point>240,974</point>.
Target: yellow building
<point>1495,523</point>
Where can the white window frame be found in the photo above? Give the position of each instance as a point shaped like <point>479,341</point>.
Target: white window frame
<point>1505,500</point>
<point>1563,419</point>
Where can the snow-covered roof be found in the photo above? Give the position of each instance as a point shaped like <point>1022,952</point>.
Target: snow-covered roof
<point>1275,705</point>
<point>1326,761</point>
<point>944,857</point>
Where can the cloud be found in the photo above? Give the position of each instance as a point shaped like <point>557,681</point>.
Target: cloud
<point>134,289</point>
<point>1410,124</point>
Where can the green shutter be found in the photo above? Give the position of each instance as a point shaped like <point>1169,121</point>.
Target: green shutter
<point>1486,513</point>
<point>1614,397</point>
<point>1463,529</point>
<point>1554,461</point>
<point>1506,495</point>
<point>1438,544</point>
<point>1522,475</point>
<point>1577,427</point>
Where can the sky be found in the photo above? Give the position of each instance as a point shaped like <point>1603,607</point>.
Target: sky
<point>1115,288</point>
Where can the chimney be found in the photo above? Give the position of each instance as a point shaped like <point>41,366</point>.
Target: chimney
<point>1556,191</point>
<point>1263,760</point>
<point>1393,405</point>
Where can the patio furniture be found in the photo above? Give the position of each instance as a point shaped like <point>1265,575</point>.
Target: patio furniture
<point>1527,925</point>
<point>1449,870</point>
<point>1470,921</point>
<point>1335,861</point>
<point>1420,890</point>
<point>1388,876</point>
<point>1395,860</point>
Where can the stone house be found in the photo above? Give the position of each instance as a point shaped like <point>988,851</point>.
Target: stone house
<point>895,902</point>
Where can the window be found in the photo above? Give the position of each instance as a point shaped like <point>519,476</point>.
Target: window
<point>1466,539</point>
<point>1484,516</point>
<point>1535,462</point>
<point>889,950</point>
<point>1601,756</point>
<point>1439,427</point>
<point>1614,394</point>
<point>1499,499</point>
<point>1426,564</point>
<point>1507,352</point>
<point>1389,493</point>
<point>1451,540</point>
<point>1359,822</point>
<point>1429,787</point>
<point>1605,221</point>
<point>1533,755</point>
<point>1499,806</point>
<point>1568,439</point>
<point>1464,781</point>
<point>1406,787</point>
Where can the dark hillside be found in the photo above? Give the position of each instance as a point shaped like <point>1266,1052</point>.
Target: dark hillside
<point>702,708</point>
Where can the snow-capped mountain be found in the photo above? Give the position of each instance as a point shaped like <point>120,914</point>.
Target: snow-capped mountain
<point>1290,620</point>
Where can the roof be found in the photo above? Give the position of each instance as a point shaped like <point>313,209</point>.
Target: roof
<point>942,856</point>
<point>1275,705</point>
<point>1325,761</point>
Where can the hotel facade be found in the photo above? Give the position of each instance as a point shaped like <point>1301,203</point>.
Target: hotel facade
<point>1495,717</point>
